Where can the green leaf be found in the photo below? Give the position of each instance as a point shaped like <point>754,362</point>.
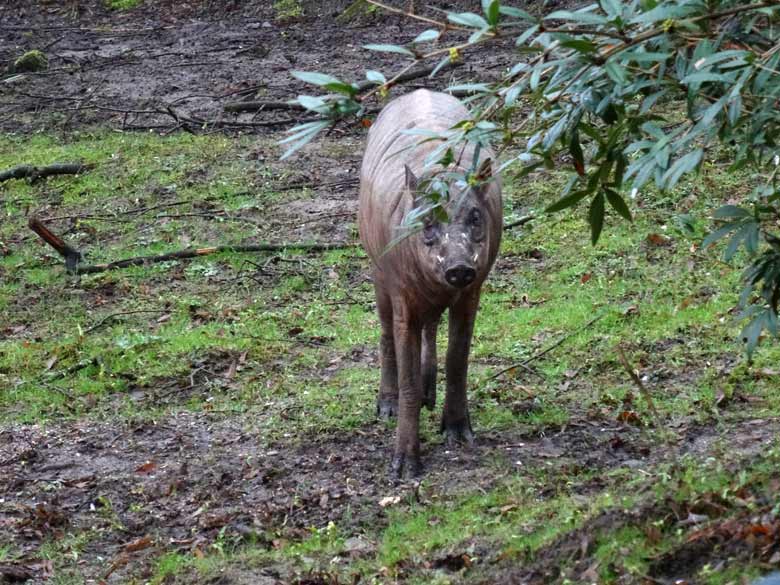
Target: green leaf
<point>720,57</point>
<point>513,93</point>
<point>752,238</point>
<point>468,19</point>
<point>616,71</point>
<point>682,165</point>
<point>643,57</point>
<point>703,77</point>
<point>315,78</point>
<point>515,13</point>
<point>575,149</point>
<point>650,101</point>
<point>752,332</point>
<point>617,203</point>
<point>719,233</point>
<point>426,36</point>
<point>491,10</point>
<point>554,133</point>
<point>611,7</point>
<point>305,134</point>
<point>580,17</point>
<point>443,63</point>
<point>744,232</point>
<point>527,34</point>
<point>376,77</point>
<point>620,169</point>
<point>596,217</point>
<point>312,103</point>
<point>390,49</point>
<point>475,87</point>
<point>731,211</point>
<point>580,45</point>
<point>664,12</point>
<point>711,112</point>
<point>568,201</point>
<point>340,87</point>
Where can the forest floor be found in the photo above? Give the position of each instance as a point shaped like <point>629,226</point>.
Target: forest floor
<point>212,420</point>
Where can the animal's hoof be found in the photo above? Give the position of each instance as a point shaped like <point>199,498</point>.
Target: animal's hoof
<point>405,466</point>
<point>387,408</point>
<point>458,433</point>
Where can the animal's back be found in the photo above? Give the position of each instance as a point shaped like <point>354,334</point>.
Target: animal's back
<point>383,198</point>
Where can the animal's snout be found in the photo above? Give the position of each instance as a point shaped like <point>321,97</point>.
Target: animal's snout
<point>460,275</point>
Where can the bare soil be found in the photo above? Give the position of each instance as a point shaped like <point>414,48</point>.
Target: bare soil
<point>141,68</point>
<point>182,480</point>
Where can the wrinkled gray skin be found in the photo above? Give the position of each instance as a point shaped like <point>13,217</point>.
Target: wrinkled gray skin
<point>442,267</point>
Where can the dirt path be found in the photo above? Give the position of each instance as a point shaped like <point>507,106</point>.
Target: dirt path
<point>144,68</point>
<point>182,483</point>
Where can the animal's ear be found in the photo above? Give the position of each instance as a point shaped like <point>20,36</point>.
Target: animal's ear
<point>411,180</point>
<point>485,171</point>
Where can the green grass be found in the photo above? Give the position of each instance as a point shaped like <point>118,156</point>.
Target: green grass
<point>288,339</point>
<point>287,9</point>
<point>122,4</point>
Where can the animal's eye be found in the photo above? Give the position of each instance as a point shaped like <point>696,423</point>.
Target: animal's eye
<point>475,217</point>
<point>430,232</point>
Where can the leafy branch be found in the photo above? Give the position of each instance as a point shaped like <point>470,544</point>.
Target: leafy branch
<point>624,94</point>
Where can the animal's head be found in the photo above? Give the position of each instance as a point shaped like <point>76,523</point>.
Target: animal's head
<point>457,250</point>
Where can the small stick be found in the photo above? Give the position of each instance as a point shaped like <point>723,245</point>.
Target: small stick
<point>519,222</point>
<point>112,316</point>
<point>545,351</point>
<point>71,255</point>
<point>635,378</point>
<point>33,172</point>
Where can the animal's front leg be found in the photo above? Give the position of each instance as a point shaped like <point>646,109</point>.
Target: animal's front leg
<point>407,332</point>
<point>455,421</point>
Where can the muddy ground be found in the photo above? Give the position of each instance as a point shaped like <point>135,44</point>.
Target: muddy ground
<point>189,479</point>
<point>183,482</point>
<point>156,65</point>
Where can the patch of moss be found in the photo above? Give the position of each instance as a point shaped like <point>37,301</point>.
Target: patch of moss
<point>122,4</point>
<point>288,9</point>
<point>31,62</point>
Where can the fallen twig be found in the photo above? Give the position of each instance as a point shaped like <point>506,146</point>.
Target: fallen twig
<point>197,122</point>
<point>546,350</point>
<point>638,381</point>
<point>519,222</point>
<point>33,172</point>
<point>71,255</point>
<point>196,252</point>
<point>112,316</point>
<point>253,106</point>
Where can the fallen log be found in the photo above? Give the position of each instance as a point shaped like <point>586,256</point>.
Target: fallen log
<point>33,172</point>
<point>196,252</point>
<point>73,256</point>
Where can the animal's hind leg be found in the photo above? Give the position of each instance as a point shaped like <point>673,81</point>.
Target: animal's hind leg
<point>387,401</point>
<point>429,363</point>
